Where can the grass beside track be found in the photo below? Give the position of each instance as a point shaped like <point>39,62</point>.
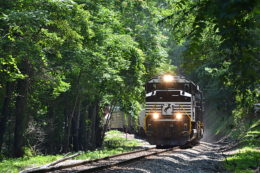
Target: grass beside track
<point>115,143</point>
<point>247,159</point>
<point>247,134</point>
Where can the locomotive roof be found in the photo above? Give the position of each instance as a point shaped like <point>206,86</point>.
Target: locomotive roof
<point>176,79</point>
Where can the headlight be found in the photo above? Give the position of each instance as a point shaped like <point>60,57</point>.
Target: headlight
<point>167,78</point>
<point>155,115</point>
<point>178,116</point>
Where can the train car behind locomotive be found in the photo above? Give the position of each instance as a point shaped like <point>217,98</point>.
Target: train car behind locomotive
<point>173,111</point>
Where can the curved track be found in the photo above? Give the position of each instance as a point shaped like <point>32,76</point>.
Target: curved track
<point>103,163</point>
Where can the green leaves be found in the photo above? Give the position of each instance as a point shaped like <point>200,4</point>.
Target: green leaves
<point>221,44</point>
<point>60,87</point>
<point>9,70</point>
<point>80,54</point>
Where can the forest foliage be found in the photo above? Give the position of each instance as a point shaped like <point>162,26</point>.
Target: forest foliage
<point>63,62</point>
<point>221,41</point>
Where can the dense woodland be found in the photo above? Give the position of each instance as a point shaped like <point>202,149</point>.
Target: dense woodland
<point>62,62</point>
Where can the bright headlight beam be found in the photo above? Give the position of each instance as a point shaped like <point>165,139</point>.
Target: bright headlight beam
<point>167,78</point>
<point>155,115</point>
<point>178,116</point>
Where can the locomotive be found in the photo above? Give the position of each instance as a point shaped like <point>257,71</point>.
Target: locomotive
<point>173,111</point>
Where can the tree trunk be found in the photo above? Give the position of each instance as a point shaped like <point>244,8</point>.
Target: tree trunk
<point>67,136</point>
<point>66,129</point>
<point>75,131</point>
<point>98,129</point>
<point>93,115</point>
<point>83,132</point>
<point>5,111</point>
<point>21,117</point>
<point>50,146</point>
<point>108,120</point>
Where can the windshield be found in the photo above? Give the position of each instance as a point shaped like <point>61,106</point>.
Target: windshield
<point>167,96</point>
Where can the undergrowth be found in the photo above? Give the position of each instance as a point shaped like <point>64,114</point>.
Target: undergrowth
<point>18,164</point>
<point>247,159</point>
<point>115,143</point>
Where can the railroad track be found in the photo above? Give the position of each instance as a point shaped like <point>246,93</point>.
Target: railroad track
<point>102,163</point>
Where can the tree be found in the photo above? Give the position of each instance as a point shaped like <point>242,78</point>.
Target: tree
<point>221,43</point>
<point>36,32</point>
<point>63,61</point>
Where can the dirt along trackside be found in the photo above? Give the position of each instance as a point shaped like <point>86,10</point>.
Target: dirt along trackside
<point>203,158</point>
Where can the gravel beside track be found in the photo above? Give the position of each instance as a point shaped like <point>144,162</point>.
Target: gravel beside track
<point>113,160</point>
<point>203,158</point>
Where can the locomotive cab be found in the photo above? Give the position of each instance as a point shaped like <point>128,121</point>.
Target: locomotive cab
<point>173,111</point>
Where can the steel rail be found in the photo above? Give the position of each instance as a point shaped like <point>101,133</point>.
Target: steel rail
<point>99,168</point>
<point>53,168</point>
<point>102,166</point>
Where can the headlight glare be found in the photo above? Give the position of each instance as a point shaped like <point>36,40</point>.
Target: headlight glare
<point>178,116</point>
<point>155,115</point>
<point>167,78</point>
